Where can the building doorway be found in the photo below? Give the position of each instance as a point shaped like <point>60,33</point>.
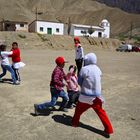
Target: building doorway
<point>99,34</point>
<point>49,31</point>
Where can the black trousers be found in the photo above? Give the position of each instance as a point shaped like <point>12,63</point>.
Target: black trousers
<point>79,63</point>
<point>73,97</point>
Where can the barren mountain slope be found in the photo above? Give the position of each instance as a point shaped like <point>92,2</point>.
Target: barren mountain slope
<point>132,6</point>
<point>79,11</point>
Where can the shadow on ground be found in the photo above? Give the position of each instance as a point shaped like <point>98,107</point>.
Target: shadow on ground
<point>45,112</point>
<point>48,111</point>
<point>7,80</point>
<point>66,120</point>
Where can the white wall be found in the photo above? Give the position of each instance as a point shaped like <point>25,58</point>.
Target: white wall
<point>106,25</point>
<point>96,33</point>
<point>77,32</point>
<point>106,33</point>
<point>51,25</point>
<point>19,28</point>
<point>99,31</point>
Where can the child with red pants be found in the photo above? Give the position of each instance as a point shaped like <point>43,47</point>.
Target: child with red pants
<point>90,97</point>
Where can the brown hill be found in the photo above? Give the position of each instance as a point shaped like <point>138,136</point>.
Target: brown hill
<point>33,40</point>
<point>79,11</point>
<point>131,6</point>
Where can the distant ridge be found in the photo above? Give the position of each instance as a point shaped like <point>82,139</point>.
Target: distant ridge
<point>131,6</point>
<point>89,12</point>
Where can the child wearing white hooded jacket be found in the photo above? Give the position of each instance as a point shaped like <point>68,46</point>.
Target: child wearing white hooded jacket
<point>89,80</point>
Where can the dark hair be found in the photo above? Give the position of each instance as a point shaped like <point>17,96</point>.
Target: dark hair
<point>2,47</point>
<point>14,43</point>
<point>73,66</point>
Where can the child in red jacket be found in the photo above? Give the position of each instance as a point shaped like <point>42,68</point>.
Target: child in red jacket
<point>16,60</point>
<point>57,89</point>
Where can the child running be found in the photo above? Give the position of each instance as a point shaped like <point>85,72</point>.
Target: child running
<point>56,88</point>
<point>90,97</point>
<point>72,86</point>
<point>5,65</point>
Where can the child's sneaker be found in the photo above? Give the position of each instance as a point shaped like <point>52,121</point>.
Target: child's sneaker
<point>1,80</point>
<point>107,133</point>
<point>36,110</point>
<point>16,83</point>
<point>63,109</point>
<point>70,106</point>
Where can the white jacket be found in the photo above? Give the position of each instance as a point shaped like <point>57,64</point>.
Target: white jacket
<point>4,57</point>
<point>90,79</point>
<point>79,53</point>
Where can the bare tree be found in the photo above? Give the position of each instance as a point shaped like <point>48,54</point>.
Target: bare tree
<point>69,26</point>
<point>131,29</point>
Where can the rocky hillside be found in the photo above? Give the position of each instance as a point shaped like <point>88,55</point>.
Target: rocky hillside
<point>132,6</point>
<point>89,12</point>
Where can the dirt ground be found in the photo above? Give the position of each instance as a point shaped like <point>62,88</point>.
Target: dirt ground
<point>120,86</point>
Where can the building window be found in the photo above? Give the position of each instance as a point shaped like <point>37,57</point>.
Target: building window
<point>57,30</point>
<point>21,25</point>
<point>84,32</point>
<point>41,29</point>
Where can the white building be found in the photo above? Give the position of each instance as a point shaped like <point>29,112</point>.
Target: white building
<point>106,25</point>
<point>46,27</point>
<point>95,31</point>
<point>7,25</point>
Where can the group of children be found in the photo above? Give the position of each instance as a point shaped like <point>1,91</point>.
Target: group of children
<point>88,77</point>
<point>14,53</point>
<point>57,88</point>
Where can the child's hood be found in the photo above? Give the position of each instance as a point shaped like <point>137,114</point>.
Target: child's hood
<point>90,58</point>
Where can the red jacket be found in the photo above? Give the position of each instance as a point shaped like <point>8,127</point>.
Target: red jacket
<point>57,78</point>
<point>16,55</point>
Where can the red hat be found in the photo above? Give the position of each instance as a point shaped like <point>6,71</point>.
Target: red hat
<point>77,39</point>
<point>60,60</point>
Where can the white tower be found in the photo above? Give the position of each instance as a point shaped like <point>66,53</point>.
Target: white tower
<point>106,25</point>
